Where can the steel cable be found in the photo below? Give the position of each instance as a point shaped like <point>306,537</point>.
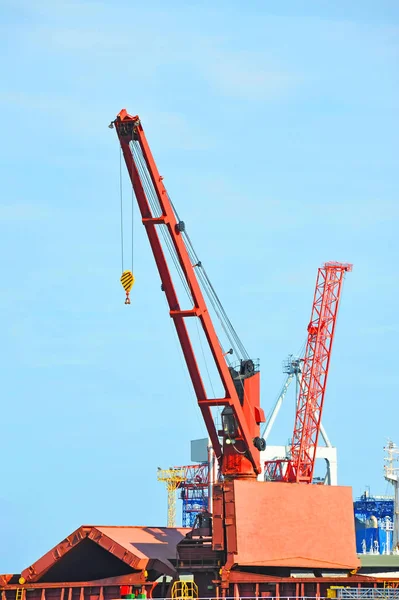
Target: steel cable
<point>156,210</point>
<point>203,278</point>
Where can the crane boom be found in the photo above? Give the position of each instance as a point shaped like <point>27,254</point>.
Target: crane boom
<point>277,406</point>
<point>299,467</point>
<point>239,453</point>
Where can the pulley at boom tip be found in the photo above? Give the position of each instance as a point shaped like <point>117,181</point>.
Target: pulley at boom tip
<point>123,116</point>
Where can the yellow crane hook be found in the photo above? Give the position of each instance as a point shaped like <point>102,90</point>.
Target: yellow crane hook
<point>127,281</point>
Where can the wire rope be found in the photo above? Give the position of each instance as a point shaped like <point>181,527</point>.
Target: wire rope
<point>149,189</point>
<point>202,276</point>
<point>132,230</point>
<point>121,201</point>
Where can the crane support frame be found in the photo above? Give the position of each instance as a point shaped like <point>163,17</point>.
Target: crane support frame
<point>241,458</point>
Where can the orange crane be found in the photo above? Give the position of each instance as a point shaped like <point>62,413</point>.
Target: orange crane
<point>239,453</point>
<point>223,545</point>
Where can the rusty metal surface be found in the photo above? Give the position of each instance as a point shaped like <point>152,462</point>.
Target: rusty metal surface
<point>238,576</point>
<point>294,525</point>
<point>218,537</point>
<point>97,552</point>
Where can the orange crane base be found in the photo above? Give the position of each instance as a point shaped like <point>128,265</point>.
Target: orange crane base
<point>277,524</point>
<point>269,529</point>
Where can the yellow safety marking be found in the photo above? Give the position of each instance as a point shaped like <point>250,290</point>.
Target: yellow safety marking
<point>19,594</point>
<point>127,280</point>
<point>184,590</point>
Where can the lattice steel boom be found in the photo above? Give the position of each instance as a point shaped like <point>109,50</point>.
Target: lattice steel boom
<point>299,466</point>
<point>194,492</point>
<point>172,478</point>
<point>193,483</point>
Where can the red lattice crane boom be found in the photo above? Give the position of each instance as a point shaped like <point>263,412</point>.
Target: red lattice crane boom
<point>239,453</point>
<point>299,467</point>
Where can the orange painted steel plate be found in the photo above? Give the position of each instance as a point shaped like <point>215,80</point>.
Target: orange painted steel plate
<point>137,547</point>
<point>294,525</point>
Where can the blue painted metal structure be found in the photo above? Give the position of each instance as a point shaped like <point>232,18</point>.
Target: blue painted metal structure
<point>370,514</point>
<point>194,492</point>
<point>194,502</point>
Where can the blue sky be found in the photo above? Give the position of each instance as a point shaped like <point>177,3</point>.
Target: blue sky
<point>275,126</point>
